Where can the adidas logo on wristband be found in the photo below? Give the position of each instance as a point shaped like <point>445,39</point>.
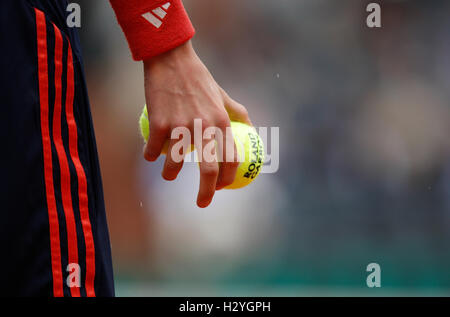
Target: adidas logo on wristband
<point>156,16</point>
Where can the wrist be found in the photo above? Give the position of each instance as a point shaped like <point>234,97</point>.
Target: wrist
<point>148,38</point>
<point>172,58</point>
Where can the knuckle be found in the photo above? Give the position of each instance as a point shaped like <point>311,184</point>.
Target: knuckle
<point>206,123</point>
<point>222,121</point>
<point>180,123</point>
<point>210,171</point>
<point>159,126</point>
<point>244,111</point>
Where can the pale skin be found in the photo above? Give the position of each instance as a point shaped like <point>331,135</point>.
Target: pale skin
<point>178,89</point>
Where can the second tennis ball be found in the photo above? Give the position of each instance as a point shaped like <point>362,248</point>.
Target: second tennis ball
<point>249,146</point>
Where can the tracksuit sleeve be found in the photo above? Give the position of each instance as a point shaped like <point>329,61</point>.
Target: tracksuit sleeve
<point>153,27</point>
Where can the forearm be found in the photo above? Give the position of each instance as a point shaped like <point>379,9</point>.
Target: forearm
<point>179,89</point>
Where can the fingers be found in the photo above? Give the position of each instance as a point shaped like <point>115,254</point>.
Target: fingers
<point>236,111</point>
<point>158,135</point>
<point>229,159</point>
<point>174,161</point>
<point>213,175</point>
<point>209,171</point>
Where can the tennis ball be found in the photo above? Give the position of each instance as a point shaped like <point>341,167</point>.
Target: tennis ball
<point>250,150</point>
<point>145,129</point>
<point>249,145</point>
<point>143,124</point>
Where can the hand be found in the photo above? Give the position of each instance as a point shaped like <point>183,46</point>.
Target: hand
<point>179,89</point>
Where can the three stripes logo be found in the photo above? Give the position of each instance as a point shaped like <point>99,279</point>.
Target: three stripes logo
<point>156,16</point>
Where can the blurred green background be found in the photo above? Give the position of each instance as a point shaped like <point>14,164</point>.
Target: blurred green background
<point>364,118</point>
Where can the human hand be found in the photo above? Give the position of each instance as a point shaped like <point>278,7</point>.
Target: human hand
<point>178,89</point>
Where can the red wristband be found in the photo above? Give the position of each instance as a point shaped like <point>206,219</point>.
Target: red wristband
<point>153,27</point>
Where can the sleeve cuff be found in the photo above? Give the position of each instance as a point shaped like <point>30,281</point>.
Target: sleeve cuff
<point>153,27</point>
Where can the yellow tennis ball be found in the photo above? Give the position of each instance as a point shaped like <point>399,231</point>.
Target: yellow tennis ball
<point>143,124</point>
<point>250,149</point>
<point>249,145</point>
<point>145,129</point>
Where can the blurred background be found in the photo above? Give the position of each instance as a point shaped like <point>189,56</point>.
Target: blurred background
<point>364,118</point>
